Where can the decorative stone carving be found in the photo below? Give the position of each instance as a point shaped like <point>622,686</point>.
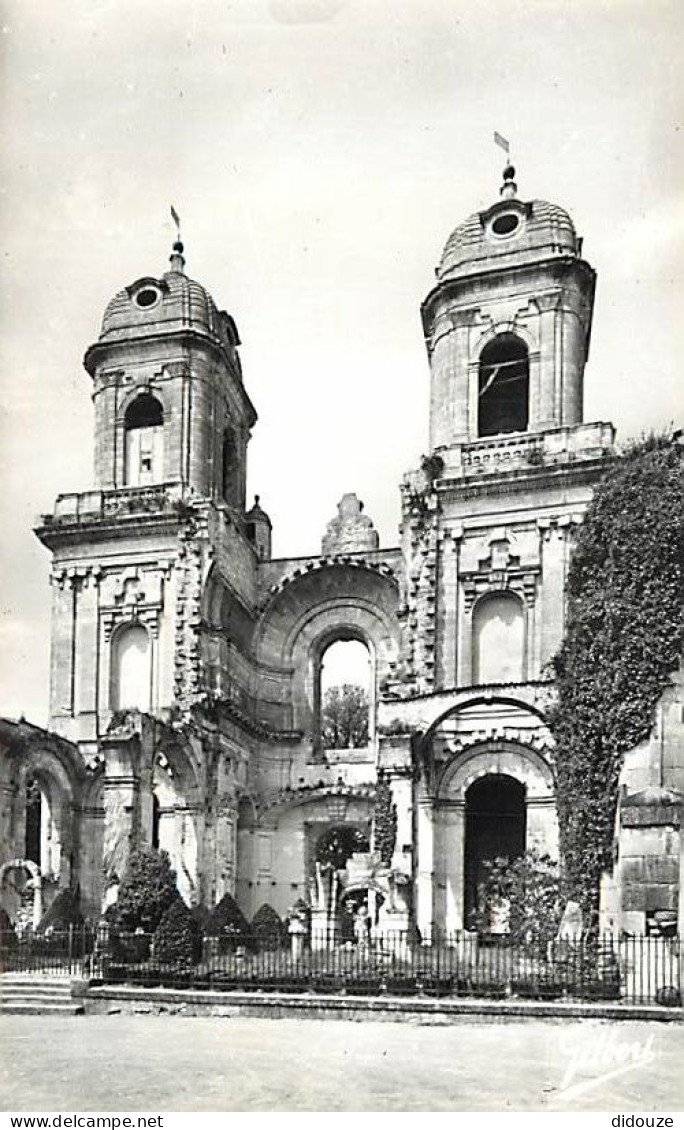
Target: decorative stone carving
<point>351,531</point>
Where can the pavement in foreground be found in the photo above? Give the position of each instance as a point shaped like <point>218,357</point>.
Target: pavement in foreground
<point>184,1063</point>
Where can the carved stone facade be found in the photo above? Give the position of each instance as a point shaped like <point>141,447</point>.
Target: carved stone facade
<point>186,672</point>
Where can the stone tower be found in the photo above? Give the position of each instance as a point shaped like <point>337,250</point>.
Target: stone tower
<point>130,561</point>
<point>487,530</point>
<point>172,423</point>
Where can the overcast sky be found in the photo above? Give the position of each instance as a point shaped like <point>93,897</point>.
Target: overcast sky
<point>319,153</point>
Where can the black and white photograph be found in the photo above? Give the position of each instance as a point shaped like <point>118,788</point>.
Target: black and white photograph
<point>342,558</point>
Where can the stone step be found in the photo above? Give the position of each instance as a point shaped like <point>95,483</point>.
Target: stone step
<point>34,992</point>
<point>39,1008</point>
<point>29,975</point>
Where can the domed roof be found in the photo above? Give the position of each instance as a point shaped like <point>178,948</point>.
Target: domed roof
<point>510,232</point>
<point>158,305</point>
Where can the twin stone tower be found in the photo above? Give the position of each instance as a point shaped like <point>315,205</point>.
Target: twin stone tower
<point>186,693</point>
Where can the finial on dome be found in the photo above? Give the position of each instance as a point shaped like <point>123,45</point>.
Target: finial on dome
<point>176,258</point>
<point>509,187</point>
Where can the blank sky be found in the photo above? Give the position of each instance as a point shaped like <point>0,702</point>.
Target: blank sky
<point>319,153</point>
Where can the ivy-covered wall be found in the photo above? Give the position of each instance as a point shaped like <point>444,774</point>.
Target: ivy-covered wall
<point>624,638</point>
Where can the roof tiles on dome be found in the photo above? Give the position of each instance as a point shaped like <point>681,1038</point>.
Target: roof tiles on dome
<point>158,305</point>
<point>541,227</point>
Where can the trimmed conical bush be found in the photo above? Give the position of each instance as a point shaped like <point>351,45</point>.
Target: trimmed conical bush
<point>177,939</point>
<point>226,918</point>
<point>268,929</point>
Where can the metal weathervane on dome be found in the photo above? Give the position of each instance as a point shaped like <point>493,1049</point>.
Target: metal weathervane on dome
<point>176,257</point>
<point>509,187</point>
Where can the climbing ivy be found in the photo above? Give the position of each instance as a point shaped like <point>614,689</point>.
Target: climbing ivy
<point>384,820</point>
<point>624,638</point>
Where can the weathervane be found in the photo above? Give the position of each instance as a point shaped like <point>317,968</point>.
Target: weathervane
<point>509,187</point>
<point>176,218</point>
<point>177,260</point>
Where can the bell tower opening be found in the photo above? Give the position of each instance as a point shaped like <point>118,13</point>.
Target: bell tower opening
<point>503,388</point>
<point>144,427</point>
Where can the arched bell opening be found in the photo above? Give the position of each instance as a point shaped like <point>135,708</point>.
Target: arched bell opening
<point>144,441</point>
<point>503,386</point>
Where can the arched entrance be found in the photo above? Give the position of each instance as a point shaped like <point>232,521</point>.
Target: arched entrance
<point>495,828</point>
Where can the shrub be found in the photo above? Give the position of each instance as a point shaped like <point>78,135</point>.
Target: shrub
<point>226,920</point>
<point>147,890</point>
<point>268,929</point>
<point>62,913</point>
<point>177,939</point>
<point>531,887</point>
<point>8,938</point>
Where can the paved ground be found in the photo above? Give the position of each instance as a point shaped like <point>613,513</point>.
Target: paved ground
<point>158,1063</point>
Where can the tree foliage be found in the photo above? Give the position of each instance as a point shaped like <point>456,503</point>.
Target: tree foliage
<point>624,638</point>
<point>148,888</point>
<point>344,717</point>
<point>337,845</point>
<point>530,887</point>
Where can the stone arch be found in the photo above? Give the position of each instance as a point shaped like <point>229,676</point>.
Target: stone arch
<point>471,766</point>
<point>353,619</point>
<point>505,326</point>
<point>512,759</point>
<point>143,389</point>
<point>59,790</point>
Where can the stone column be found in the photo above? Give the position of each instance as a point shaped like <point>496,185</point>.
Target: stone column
<point>425,877</point>
<point>447,618</point>
<point>543,402</point>
<point>122,809</point>
<point>542,825</point>
<point>453,847</point>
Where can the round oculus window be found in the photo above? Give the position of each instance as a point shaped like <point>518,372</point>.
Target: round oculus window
<point>146,297</point>
<point>506,224</point>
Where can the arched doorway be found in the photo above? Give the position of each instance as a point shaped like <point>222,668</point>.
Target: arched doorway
<point>495,828</point>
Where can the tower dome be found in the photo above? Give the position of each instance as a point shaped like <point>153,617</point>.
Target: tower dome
<point>170,402</point>
<point>508,322</point>
<point>153,306</point>
<point>511,232</point>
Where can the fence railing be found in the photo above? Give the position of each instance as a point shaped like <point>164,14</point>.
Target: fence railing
<point>630,969</point>
<point>54,951</point>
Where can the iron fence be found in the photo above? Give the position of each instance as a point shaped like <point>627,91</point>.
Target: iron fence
<point>637,970</point>
<point>629,969</point>
<point>53,951</point>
